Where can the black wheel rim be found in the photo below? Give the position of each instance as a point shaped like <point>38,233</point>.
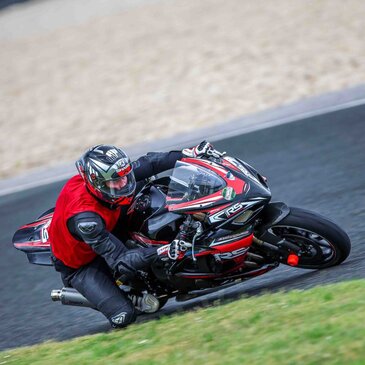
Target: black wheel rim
<point>317,251</point>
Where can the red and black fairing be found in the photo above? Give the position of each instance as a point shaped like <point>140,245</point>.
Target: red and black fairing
<point>156,214</point>
<point>33,239</point>
<point>238,195</point>
<point>243,194</point>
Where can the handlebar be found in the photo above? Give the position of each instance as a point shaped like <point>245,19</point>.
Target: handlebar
<point>211,152</point>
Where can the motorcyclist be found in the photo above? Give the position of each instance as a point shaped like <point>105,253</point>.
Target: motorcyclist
<point>86,248</point>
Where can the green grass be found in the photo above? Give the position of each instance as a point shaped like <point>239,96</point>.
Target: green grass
<point>324,325</point>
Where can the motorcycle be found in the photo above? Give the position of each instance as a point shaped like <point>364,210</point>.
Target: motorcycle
<point>219,208</point>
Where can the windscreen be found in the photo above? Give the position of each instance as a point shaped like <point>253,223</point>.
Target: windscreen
<point>190,182</point>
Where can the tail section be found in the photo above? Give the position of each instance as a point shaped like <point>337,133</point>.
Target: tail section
<point>33,239</point>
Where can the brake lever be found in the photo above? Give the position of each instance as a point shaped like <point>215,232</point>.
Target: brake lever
<point>214,153</point>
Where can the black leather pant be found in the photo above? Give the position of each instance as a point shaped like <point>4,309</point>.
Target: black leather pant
<point>96,283</point>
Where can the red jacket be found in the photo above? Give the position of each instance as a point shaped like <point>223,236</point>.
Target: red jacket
<point>74,199</point>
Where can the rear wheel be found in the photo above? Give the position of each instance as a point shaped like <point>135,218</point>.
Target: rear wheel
<point>322,242</point>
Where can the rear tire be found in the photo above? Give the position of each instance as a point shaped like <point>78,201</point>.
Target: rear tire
<point>323,242</point>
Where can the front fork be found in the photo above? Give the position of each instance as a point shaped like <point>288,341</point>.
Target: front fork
<point>279,248</point>
<point>276,247</point>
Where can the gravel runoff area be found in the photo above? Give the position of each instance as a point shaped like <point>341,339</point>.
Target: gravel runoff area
<point>74,73</point>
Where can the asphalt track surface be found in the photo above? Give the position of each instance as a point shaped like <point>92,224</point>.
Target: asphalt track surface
<point>5,3</point>
<point>317,163</point>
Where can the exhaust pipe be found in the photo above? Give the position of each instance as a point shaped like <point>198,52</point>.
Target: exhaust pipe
<point>70,296</point>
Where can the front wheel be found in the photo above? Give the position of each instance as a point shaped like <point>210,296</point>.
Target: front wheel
<point>322,242</point>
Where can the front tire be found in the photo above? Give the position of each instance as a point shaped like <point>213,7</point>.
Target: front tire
<point>322,242</point>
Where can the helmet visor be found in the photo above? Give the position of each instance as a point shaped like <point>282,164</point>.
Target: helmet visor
<point>120,186</point>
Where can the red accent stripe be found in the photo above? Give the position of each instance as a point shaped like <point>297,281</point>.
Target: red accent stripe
<point>229,247</point>
<point>204,200</point>
<point>125,171</point>
<point>216,210</point>
<point>49,215</point>
<point>144,239</point>
<point>32,244</point>
<point>230,165</point>
<point>40,222</point>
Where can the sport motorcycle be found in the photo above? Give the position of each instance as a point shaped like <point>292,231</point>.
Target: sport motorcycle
<point>220,209</point>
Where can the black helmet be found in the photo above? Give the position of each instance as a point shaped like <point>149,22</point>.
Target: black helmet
<point>108,174</point>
